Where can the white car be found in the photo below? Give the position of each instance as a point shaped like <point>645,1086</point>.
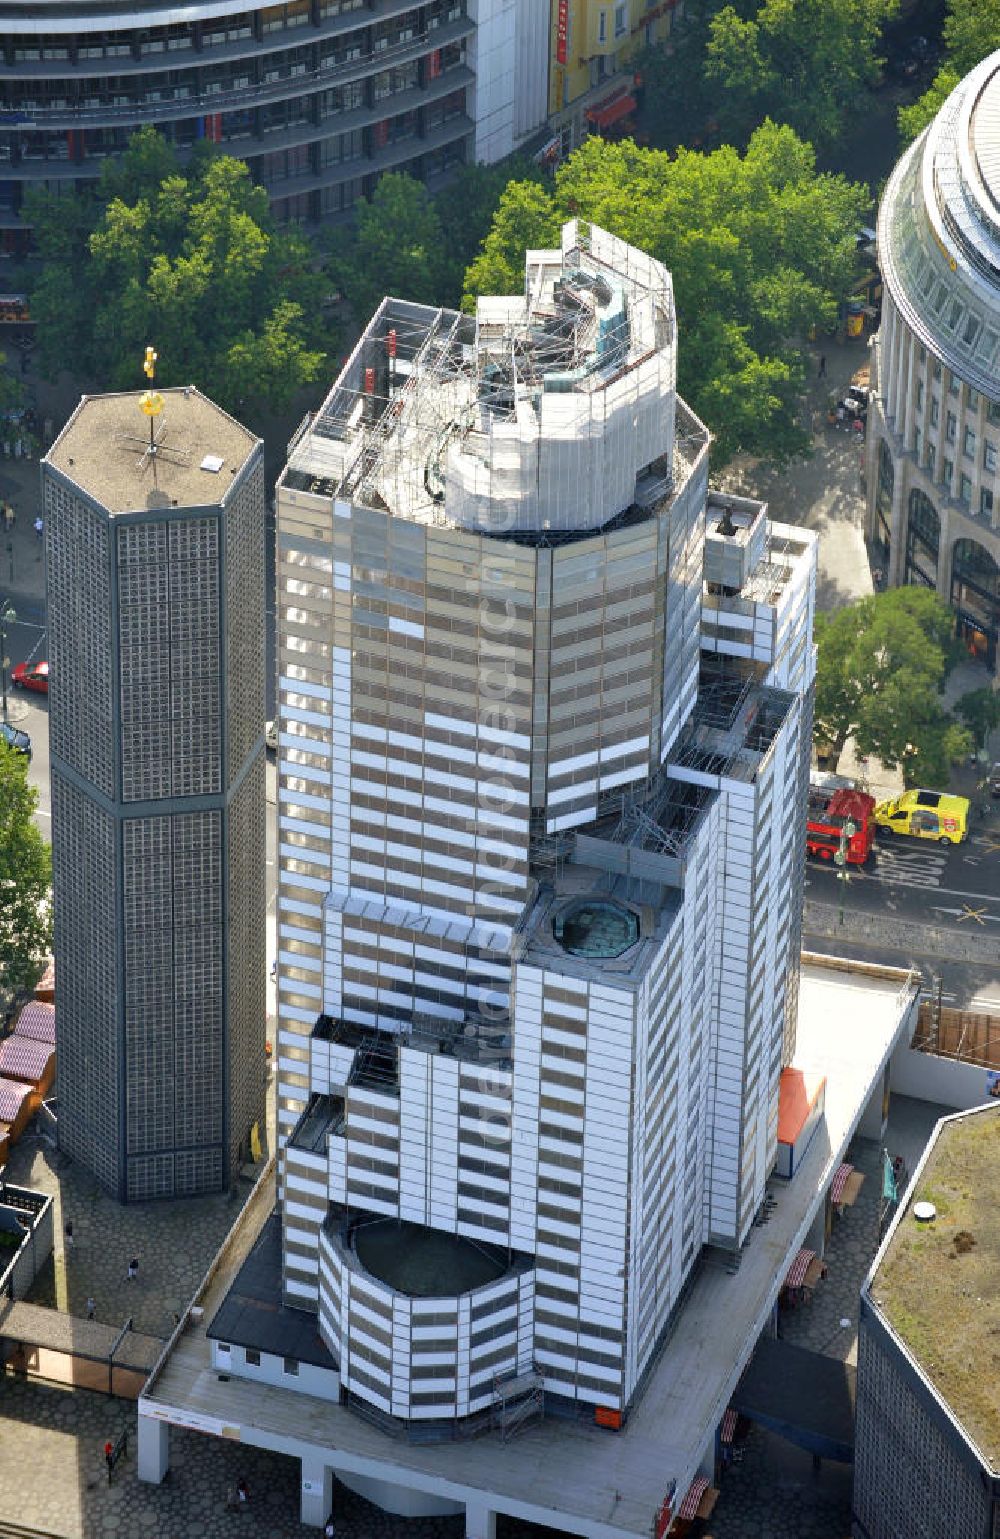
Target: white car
<point>271,735</point>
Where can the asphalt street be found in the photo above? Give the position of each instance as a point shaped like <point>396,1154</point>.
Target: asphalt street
<point>915,879</point>
<point>955,889</point>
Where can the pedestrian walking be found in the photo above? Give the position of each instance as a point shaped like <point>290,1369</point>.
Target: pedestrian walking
<point>70,1242</point>
<point>39,527</point>
<point>91,1309</point>
<point>133,1270</point>
<point>9,517</point>
<point>329,1528</point>
<point>822,366</point>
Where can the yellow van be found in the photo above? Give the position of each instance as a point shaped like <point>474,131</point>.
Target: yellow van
<point>926,815</point>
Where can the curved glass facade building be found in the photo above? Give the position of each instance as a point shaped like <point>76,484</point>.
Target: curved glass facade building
<point>934,501</point>
<point>318,96</point>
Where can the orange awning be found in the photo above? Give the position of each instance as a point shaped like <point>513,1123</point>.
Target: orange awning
<point>603,117</point>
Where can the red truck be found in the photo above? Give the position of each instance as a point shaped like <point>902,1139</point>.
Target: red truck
<point>829,809</point>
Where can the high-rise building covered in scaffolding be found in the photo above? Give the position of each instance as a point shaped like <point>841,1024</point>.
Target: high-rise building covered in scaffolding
<point>545,710</point>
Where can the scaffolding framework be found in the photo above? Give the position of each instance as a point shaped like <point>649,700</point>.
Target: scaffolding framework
<point>518,1400</point>
<point>549,413</point>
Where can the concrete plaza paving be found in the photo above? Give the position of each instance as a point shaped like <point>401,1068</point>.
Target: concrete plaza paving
<point>52,1475</point>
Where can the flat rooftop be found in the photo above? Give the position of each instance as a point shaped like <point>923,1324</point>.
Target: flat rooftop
<point>569,1475</point>
<point>426,1263</point>
<point>101,450</point>
<point>938,1283</point>
<point>252,1314</point>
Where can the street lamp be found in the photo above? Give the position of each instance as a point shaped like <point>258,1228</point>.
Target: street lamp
<point>840,859</point>
<point>7,617</point>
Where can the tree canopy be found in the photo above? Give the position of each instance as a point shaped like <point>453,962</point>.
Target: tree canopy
<point>979,709</point>
<point>803,62</point>
<point>189,260</point>
<point>881,665</point>
<point>678,104</point>
<point>760,246</point>
<point>406,242</point>
<point>394,248</point>
<point>971,31</point>
<point>25,879</point>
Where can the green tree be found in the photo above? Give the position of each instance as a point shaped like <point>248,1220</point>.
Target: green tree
<point>760,248</point>
<point>880,668</point>
<point>980,711</point>
<point>525,218</point>
<point>971,31</point>
<point>465,208</point>
<point>678,104</point>
<point>189,260</point>
<point>943,743</point>
<point>803,62</point>
<point>25,880</point>
<point>394,248</point>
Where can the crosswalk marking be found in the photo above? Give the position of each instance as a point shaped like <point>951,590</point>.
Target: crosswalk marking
<point>909,868</point>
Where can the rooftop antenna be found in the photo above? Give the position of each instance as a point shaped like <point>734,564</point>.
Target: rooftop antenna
<point>151,405</point>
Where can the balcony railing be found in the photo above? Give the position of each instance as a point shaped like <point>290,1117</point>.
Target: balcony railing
<point>39,115</point>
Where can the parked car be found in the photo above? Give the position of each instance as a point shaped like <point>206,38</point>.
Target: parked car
<point>15,738</point>
<point>31,676</point>
<point>925,815</point>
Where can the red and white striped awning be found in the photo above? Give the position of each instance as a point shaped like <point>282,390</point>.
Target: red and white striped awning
<point>798,1269</point>
<point>23,1058</point>
<point>840,1181</point>
<point>728,1429</point>
<point>688,1508</point>
<point>12,1093</point>
<point>37,1020</point>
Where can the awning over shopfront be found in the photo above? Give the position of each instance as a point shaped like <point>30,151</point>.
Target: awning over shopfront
<point>608,113</point>
<point>699,1502</point>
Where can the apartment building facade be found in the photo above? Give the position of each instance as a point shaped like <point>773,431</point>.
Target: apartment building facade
<point>934,427</point>
<point>318,96</point>
<point>593,46</point>
<point>155,583</point>
<point>544,722</point>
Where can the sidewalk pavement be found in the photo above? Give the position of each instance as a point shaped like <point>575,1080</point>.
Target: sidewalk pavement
<point>53,1478</point>
<point>22,570</point>
<point>825,492</point>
